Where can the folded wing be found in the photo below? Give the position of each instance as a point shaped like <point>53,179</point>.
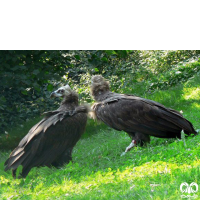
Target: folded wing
<point>135,114</point>
<point>48,140</point>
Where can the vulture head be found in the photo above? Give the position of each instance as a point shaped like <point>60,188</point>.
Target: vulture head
<point>67,93</point>
<point>99,86</point>
<point>61,92</point>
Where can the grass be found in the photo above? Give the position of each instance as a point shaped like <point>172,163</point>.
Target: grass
<point>99,172</point>
<point>14,135</point>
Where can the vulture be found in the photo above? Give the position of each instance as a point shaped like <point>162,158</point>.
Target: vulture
<point>139,117</point>
<point>50,142</point>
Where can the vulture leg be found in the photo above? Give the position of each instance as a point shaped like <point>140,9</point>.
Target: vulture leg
<point>24,172</point>
<point>140,138</point>
<point>137,139</point>
<point>129,147</point>
<point>64,159</point>
<point>14,173</point>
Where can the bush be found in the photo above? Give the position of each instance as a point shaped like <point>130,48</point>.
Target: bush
<point>179,74</point>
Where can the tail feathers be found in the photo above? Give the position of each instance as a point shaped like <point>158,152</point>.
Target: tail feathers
<point>179,121</point>
<point>17,151</point>
<point>192,128</point>
<point>14,161</point>
<point>14,153</point>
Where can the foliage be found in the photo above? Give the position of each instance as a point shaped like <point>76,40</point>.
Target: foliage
<point>162,61</point>
<point>99,172</point>
<point>25,80</point>
<point>28,77</point>
<point>179,74</point>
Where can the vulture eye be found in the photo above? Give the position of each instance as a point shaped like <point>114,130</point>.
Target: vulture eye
<point>61,91</point>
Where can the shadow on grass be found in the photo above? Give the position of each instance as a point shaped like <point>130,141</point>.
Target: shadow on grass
<point>10,140</point>
<point>93,127</point>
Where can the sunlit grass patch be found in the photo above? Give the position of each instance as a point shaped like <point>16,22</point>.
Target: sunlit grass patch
<point>196,105</point>
<point>191,93</point>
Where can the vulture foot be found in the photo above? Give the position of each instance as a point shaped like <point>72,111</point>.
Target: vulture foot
<point>128,148</point>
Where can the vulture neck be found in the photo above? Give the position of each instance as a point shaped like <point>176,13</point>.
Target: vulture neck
<point>71,99</point>
<point>103,96</point>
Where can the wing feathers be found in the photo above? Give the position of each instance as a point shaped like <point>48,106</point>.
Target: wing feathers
<point>49,138</point>
<point>135,114</point>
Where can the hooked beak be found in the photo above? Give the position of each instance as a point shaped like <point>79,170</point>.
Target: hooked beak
<point>52,95</point>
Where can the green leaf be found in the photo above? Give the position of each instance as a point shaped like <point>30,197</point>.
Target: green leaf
<point>104,59</point>
<point>96,69</point>
<point>110,52</point>
<point>50,87</point>
<point>22,67</point>
<point>24,92</point>
<point>77,57</point>
<point>36,71</point>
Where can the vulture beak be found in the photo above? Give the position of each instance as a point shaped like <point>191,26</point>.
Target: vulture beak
<point>52,95</point>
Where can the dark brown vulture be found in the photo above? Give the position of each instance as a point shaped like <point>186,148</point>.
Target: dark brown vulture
<point>50,142</point>
<point>139,117</point>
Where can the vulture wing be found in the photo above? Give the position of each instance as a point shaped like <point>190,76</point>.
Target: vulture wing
<point>134,114</point>
<point>49,140</point>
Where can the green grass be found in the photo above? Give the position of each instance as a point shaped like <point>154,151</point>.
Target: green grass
<point>14,135</point>
<point>99,172</point>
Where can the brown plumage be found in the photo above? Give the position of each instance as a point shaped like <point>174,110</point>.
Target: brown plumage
<point>50,142</point>
<point>139,117</point>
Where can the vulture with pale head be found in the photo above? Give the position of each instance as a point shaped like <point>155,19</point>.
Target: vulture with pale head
<point>50,142</point>
<point>139,117</point>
